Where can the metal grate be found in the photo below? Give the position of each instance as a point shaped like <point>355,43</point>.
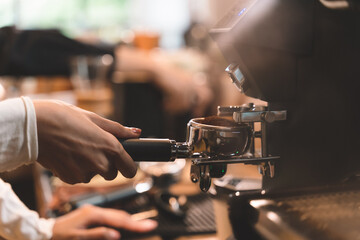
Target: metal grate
<point>198,220</point>
<point>336,214</point>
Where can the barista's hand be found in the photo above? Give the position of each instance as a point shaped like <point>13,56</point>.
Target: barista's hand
<point>75,224</point>
<point>76,144</point>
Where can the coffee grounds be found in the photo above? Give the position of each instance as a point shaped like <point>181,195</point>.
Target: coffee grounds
<point>218,121</point>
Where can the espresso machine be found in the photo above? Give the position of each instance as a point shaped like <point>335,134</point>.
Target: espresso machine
<point>301,57</point>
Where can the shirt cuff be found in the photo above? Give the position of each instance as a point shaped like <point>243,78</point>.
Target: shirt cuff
<point>31,130</point>
<point>18,133</point>
<point>46,227</point>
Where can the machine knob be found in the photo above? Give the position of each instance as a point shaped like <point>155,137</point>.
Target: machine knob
<point>269,117</point>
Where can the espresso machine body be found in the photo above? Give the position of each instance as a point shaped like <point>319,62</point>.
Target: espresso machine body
<point>300,56</point>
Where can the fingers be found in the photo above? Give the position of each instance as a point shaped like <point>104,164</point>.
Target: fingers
<point>114,128</point>
<point>121,159</point>
<point>99,233</point>
<point>107,170</point>
<point>115,158</point>
<point>75,225</point>
<point>110,175</point>
<point>139,226</point>
<point>76,144</point>
<point>112,158</point>
<point>121,219</point>
<point>124,163</point>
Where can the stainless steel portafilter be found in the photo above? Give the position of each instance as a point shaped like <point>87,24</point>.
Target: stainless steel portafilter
<point>210,139</point>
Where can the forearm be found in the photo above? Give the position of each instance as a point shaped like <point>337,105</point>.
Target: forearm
<point>18,133</point>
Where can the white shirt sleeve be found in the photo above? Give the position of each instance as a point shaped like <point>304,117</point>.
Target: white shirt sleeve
<point>18,146</point>
<point>18,133</point>
<point>19,222</point>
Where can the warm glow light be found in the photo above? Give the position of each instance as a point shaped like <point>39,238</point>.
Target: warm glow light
<point>259,203</point>
<point>143,187</point>
<point>2,92</point>
<point>274,217</point>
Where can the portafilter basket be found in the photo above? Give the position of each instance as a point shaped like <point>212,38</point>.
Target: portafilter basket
<point>218,137</point>
<point>211,137</point>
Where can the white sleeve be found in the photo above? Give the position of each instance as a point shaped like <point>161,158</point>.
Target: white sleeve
<point>18,146</point>
<point>19,222</point>
<point>18,133</point>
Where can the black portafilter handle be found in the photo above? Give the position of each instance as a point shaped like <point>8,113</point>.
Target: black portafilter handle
<point>155,149</point>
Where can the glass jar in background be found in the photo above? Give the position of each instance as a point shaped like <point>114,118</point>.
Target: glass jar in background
<point>89,77</point>
<point>146,40</point>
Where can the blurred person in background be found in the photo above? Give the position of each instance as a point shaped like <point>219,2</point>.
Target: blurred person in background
<point>62,138</point>
<point>47,52</point>
<point>192,88</point>
<point>185,79</point>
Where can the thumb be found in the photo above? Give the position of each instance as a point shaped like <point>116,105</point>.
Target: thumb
<point>99,233</point>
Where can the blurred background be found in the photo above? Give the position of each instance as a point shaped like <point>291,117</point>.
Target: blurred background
<point>111,20</point>
<point>185,65</point>
<point>162,68</point>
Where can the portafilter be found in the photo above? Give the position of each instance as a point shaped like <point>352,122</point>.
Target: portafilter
<point>207,138</point>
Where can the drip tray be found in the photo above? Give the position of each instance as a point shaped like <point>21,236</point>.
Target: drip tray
<point>334,215</point>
